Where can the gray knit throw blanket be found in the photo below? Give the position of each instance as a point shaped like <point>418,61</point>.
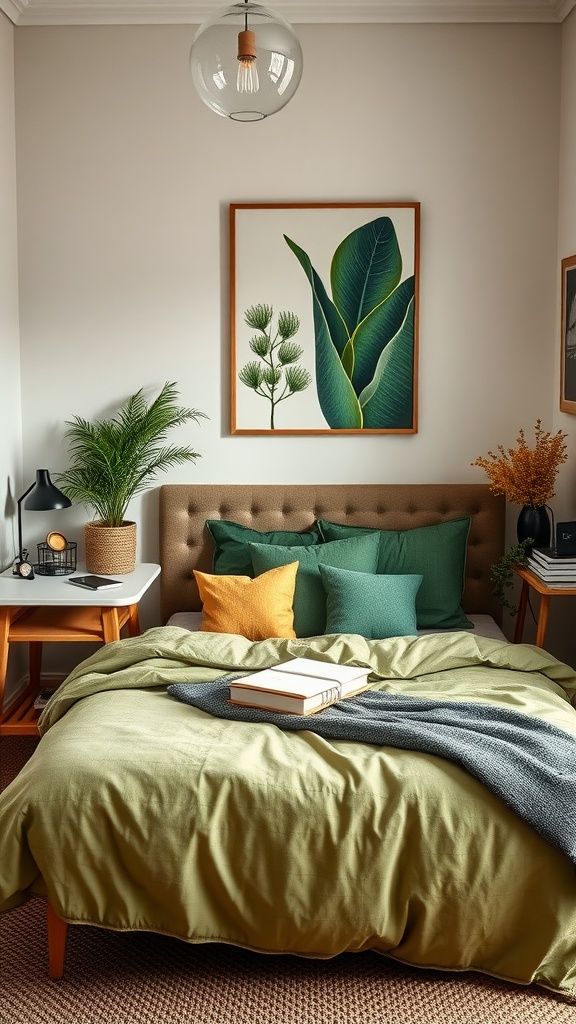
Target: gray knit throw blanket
<point>528,762</point>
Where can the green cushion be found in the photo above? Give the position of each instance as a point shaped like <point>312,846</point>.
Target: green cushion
<point>375,606</point>
<point>232,554</point>
<point>359,553</point>
<point>437,552</point>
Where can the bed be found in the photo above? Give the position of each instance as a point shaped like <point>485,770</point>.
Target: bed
<point>141,811</point>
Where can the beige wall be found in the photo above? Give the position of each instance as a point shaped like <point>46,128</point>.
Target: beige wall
<point>561,638</point>
<point>10,414</point>
<point>124,181</point>
<point>567,218</point>
<point>10,410</point>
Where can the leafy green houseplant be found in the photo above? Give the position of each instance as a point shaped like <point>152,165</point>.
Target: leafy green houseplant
<point>113,460</point>
<point>501,572</point>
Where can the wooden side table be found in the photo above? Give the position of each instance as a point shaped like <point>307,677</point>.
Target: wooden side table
<point>530,581</point>
<point>48,609</point>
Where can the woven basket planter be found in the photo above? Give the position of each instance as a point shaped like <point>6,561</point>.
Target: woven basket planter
<point>110,549</point>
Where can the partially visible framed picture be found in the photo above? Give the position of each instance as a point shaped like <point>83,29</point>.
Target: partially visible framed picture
<point>568,332</point>
<point>324,318</point>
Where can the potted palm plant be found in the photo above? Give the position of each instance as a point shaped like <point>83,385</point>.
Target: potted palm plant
<point>113,460</point>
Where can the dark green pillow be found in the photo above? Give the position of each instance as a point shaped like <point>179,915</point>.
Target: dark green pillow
<point>359,553</point>
<point>232,555</point>
<point>437,552</point>
<point>376,607</point>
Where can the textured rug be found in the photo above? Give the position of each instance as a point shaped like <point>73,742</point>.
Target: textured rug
<point>140,978</point>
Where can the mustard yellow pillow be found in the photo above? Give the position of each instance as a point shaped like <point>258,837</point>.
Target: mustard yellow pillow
<point>255,608</point>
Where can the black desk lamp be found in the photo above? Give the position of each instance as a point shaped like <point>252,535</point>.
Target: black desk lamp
<point>41,496</point>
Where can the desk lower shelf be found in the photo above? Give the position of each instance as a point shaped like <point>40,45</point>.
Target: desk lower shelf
<point>21,717</point>
<point>38,625</point>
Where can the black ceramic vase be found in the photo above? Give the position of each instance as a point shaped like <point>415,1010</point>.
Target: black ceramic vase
<point>534,522</point>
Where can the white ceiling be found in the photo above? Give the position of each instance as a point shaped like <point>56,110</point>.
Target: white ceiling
<point>170,12</point>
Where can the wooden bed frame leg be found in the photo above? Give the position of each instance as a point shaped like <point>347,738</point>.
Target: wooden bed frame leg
<point>57,934</point>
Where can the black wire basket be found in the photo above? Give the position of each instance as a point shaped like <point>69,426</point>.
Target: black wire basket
<point>56,563</point>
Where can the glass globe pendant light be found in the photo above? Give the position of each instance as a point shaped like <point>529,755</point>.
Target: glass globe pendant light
<point>246,62</point>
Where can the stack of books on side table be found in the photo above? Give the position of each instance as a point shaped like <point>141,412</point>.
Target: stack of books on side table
<point>301,686</point>
<point>554,570</point>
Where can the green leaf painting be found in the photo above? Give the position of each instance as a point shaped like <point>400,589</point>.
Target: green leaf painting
<point>364,335</point>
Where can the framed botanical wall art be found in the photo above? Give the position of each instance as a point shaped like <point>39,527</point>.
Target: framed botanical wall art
<point>324,318</point>
<point>568,337</point>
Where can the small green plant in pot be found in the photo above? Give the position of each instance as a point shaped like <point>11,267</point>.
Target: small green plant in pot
<point>501,572</point>
<point>111,461</point>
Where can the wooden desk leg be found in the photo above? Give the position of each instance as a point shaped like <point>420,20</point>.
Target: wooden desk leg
<point>57,935</point>
<point>35,662</point>
<point>110,627</point>
<point>542,619</point>
<point>521,617</point>
<point>133,621</point>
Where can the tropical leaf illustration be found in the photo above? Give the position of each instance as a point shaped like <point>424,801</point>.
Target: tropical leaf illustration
<point>366,267</point>
<point>388,397</point>
<point>364,334</point>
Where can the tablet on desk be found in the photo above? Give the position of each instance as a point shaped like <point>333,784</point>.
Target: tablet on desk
<point>94,582</point>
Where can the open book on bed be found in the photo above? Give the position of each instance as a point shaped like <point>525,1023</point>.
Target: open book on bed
<point>301,686</point>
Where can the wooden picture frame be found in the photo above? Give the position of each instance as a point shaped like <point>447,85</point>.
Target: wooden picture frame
<point>568,337</point>
<point>324,317</point>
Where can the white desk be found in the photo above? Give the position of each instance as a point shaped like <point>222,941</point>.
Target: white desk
<point>49,609</point>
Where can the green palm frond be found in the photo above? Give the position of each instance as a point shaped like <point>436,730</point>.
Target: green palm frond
<point>272,375</point>
<point>251,375</point>
<point>289,352</point>
<point>288,325</point>
<point>259,316</point>
<point>297,378</point>
<point>113,460</point>
<point>260,345</point>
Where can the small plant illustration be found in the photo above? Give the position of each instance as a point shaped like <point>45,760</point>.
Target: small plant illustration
<point>275,377</point>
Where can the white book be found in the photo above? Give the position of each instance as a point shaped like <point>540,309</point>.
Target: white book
<point>301,686</point>
<point>548,557</point>
<point>561,571</point>
<point>560,584</point>
<point>553,579</point>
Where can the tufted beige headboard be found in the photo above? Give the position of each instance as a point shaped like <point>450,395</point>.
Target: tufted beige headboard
<point>185,544</point>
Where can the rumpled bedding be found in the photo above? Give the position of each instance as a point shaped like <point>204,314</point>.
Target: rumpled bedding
<point>137,811</point>
<point>528,763</point>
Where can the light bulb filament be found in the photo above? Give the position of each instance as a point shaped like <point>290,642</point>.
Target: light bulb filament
<point>247,79</point>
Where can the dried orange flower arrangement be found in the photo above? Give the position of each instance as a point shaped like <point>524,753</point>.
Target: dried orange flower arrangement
<point>526,476</point>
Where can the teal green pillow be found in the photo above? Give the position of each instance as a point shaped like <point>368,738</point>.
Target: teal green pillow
<point>437,552</point>
<point>359,553</point>
<point>232,554</point>
<point>376,607</point>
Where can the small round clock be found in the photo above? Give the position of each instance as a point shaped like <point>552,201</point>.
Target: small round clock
<point>25,570</point>
<point>56,541</point>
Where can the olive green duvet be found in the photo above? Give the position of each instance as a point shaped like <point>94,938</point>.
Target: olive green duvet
<point>138,811</point>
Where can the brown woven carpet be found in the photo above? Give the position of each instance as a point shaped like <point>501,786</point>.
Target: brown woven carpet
<point>149,979</point>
